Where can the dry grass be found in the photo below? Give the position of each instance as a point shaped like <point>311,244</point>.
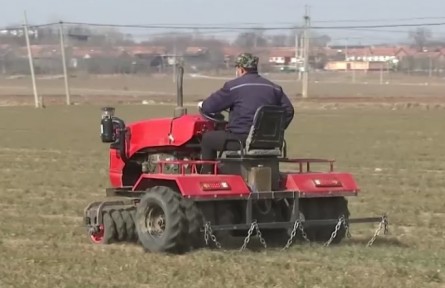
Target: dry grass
<point>53,164</point>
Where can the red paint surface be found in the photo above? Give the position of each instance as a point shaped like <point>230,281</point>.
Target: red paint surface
<point>329,182</point>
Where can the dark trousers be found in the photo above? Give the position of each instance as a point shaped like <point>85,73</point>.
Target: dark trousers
<point>213,141</point>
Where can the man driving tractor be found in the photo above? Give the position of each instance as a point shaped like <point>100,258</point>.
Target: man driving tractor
<point>242,96</point>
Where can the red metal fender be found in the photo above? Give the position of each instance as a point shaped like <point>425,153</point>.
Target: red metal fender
<point>196,185</point>
<point>321,184</point>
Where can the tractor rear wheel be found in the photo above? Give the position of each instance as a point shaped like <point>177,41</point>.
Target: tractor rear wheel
<point>161,223</point>
<point>325,208</point>
<point>279,237</point>
<point>195,221</point>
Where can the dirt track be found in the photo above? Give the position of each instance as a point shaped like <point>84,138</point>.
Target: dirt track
<point>132,89</point>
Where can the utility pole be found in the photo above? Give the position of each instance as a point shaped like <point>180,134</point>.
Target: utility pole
<point>65,73</point>
<point>37,103</point>
<point>175,58</point>
<point>301,47</point>
<point>175,63</point>
<point>430,74</point>
<point>297,53</point>
<point>305,83</point>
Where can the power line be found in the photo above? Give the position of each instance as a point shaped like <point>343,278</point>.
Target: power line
<point>380,26</point>
<point>238,24</point>
<point>153,26</point>
<point>234,28</point>
<point>379,20</point>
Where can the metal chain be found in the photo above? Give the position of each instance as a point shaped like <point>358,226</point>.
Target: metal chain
<point>249,234</point>
<point>303,234</point>
<point>348,233</point>
<point>292,235</point>
<point>258,232</point>
<point>334,234</point>
<point>383,225</point>
<point>208,232</point>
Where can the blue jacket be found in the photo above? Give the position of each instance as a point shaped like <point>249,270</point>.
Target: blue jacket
<point>243,96</point>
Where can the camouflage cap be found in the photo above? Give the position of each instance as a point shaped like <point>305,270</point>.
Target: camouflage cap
<point>246,60</point>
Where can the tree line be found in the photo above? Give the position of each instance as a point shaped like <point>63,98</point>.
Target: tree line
<point>80,35</point>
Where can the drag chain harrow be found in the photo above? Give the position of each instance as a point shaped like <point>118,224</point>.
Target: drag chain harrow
<point>298,225</point>
<point>254,225</point>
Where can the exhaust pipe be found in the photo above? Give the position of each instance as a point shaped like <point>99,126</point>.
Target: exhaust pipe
<point>180,110</point>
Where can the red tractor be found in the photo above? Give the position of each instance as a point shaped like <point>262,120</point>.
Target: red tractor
<point>160,200</point>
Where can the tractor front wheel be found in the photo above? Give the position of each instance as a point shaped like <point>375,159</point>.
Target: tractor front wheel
<point>161,223</point>
<point>106,233</point>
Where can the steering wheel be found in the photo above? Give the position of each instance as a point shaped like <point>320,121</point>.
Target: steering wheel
<point>218,118</point>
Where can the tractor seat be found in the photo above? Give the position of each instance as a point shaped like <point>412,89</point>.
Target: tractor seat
<point>266,136</point>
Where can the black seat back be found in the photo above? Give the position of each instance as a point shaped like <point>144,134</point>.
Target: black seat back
<point>267,132</point>
<point>266,136</point>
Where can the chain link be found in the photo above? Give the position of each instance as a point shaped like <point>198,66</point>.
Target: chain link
<point>249,234</point>
<point>347,232</point>
<point>260,236</point>
<point>334,234</point>
<point>292,234</point>
<point>383,225</point>
<point>208,232</point>
<point>303,234</point>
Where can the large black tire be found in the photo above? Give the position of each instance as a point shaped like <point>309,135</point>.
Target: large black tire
<point>224,214</point>
<point>164,202</point>
<point>110,229</point>
<point>129,225</point>
<point>133,218</point>
<point>279,237</point>
<point>325,208</point>
<point>195,221</point>
<point>119,223</point>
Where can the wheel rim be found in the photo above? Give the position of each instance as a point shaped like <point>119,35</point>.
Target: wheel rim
<point>154,221</point>
<point>98,236</point>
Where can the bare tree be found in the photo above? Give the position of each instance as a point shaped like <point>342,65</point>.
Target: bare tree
<point>421,36</point>
<point>251,39</point>
<point>319,41</point>
<point>291,38</point>
<point>278,40</point>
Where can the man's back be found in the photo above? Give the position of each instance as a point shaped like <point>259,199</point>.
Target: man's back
<point>245,94</point>
<point>250,92</point>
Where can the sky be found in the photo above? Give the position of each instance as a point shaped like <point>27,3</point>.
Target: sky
<point>227,12</point>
